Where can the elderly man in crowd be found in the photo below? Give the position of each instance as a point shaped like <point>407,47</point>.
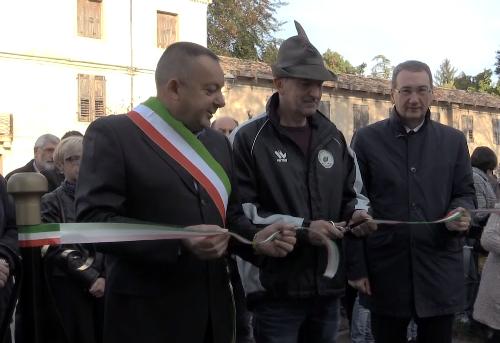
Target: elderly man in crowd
<point>43,161</point>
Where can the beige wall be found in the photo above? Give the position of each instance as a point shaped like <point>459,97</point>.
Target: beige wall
<point>249,97</point>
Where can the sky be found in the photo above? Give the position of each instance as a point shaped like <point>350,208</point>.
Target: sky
<point>467,32</point>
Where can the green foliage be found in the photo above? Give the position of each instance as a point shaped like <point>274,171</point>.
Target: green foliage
<point>382,67</point>
<point>445,76</point>
<point>270,52</point>
<point>339,65</point>
<point>497,64</point>
<point>482,82</point>
<point>243,28</point>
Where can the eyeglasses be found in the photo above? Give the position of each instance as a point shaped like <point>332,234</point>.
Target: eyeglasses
<point>408,91</point>
<point>73,159</point>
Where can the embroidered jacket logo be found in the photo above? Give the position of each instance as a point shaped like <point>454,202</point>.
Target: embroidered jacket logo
<point>281,156</point>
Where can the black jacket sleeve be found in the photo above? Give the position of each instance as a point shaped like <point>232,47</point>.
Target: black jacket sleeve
<point>356,267</point>
<point>9,248</point>
<point>101,194</point>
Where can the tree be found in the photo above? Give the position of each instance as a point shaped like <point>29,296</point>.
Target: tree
<point>497,65</point>
<point>482,82</point>
<point>270,52</point>
<point>242,28</point>
<point>445,76</point>
<point>464,82</point>
<point>382,67</point>
<point>339,65</point>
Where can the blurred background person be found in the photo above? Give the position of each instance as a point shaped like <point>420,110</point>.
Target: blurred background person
<point>225,125</point>
<point>74,275</point>
<point>9,260</point>
<point>487,305</point>
<point>42,161</point>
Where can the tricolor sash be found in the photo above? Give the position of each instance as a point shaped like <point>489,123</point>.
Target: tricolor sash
<point>184,147</point>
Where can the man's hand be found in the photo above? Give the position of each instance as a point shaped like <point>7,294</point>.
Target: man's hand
<point>4,272</point>
<point>362,285</point>
<point>97,288</point>
<point>210,247</point>
<point>364,229</point>
<point>281,245</point>
<point>461,224</point>
<point>328,229</point>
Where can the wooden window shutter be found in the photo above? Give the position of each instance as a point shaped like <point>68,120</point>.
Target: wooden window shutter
<point>166,29</point>
<point>99,96</point>
<point>89,18</point>
<point>84,100</point>
<point>94,19</point>
<point>81,15</point>
<point>495,124</point>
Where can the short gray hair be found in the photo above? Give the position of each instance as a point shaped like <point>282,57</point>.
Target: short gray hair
<point>412,65</point>
<point>44,139</point>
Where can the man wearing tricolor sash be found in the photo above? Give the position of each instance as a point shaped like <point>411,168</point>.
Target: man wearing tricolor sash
<point>161,163</point>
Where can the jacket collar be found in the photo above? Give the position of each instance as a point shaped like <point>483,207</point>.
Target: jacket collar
<point>398,127</point>
<point>480,173</point>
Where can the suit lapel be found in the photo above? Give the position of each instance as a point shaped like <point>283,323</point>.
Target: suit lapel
<point>186,178</point>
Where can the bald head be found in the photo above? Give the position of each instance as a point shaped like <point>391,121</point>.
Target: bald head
<point>224,125</point>
<point>177,61</point>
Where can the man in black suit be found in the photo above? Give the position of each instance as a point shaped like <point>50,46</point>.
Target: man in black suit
<point>171,290</point>
<point>43,161</point>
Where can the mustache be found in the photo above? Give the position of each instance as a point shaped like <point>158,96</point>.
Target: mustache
<point>310,100</point>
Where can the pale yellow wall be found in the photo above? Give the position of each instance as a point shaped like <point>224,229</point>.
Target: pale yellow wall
<point>41,56</point>
<point>482,126</point>
<point>243,98</point>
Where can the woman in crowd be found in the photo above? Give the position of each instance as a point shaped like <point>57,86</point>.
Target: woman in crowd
<point>74,274</point>
<point>487,306</point>
<point>484,162</point>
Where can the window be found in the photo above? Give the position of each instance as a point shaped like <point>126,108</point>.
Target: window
<point>6,127</point>
<point>91,97</point>
<point>89,18</point>
<point>467,128</point>
<point>166,29</point>
<point>495,123</point>
<point>324,107</point>
<point>361,117</point>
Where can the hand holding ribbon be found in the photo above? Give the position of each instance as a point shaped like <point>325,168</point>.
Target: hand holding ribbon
<point>275,240</point>
<point>319,228</point>
<point>207,247</point>
<point>462,223</point>
<point>361,223</point>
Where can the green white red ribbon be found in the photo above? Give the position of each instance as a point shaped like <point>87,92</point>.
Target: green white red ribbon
<point>452,216</point>
<point>185,148</point>
<point>81,233</point>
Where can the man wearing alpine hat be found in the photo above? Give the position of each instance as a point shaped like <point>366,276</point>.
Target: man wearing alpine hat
<point>293,165</point>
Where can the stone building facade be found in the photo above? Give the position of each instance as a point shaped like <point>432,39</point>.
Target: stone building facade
<point>355,101</point>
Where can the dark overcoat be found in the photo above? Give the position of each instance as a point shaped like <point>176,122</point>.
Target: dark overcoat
<point>157,291</point>
<point>412,177</point>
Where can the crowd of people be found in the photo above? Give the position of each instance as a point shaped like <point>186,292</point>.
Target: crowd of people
<point>285,180</point>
